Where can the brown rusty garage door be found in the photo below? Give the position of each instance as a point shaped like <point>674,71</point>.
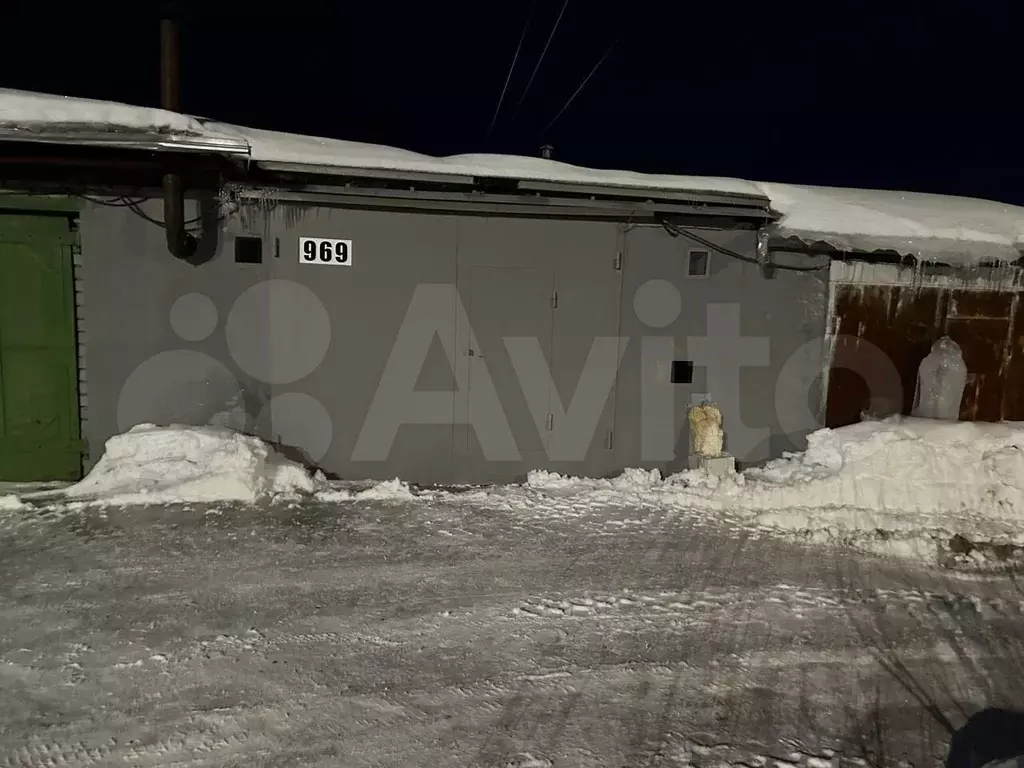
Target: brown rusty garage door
<point>884,332</point>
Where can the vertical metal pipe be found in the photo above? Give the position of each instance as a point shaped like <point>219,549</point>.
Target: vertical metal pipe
<point>170,65</point>
<point>179,241</point>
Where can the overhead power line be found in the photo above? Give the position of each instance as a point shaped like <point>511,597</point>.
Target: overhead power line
<point>582,85</point>
<point>539,60</point>
<point>512,66</point>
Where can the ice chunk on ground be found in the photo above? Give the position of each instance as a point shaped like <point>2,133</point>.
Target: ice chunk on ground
<point>389,490</point>
<point>630,480</point>
<point>10,502</point>
<point>332,495</point>
<point>150,464</point>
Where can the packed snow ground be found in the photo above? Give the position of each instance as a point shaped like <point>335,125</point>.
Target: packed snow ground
<point>631,622</point>
<point>941,228</point>
<point>305,633</point>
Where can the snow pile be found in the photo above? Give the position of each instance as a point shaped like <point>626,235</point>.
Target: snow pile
<point>904,476</point>
<point>901,465</point>
<point>389,490</point>
<point>631,481</point>
<point>10,502</point>
<point>150,464</point>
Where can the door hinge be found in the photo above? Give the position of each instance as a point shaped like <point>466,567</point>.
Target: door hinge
<point>551,421</point>
<point>554,300</point>
<point>609,441</point>
<point>617,261</point>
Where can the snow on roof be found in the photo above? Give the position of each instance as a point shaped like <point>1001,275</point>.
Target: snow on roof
<point>34,111</point>
<point>274,147</point>
<point>951,230</point>
<point>942,228</point>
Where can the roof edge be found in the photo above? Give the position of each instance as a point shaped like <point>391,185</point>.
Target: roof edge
<point>138,140</point>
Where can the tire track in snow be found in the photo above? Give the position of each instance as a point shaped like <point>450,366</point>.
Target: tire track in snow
<point>796,601</point>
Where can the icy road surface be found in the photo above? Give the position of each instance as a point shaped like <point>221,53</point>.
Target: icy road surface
<point>364,634</point>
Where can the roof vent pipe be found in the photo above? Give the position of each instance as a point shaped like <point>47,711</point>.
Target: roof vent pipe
<point>180,242</point>
<point>547,151</point>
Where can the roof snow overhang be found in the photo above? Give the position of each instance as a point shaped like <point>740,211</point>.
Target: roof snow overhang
<point>880,224</point>
<point>151,141</point>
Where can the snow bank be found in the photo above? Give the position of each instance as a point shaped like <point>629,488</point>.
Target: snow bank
<point>899,464</point>
<point>912,465</point>
<point>150,464</point>
<point>10,502</point>
<point>902,475</point>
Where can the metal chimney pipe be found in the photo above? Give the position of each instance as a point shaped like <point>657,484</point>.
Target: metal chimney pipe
<point>180,242</point>
<point>170,65</point>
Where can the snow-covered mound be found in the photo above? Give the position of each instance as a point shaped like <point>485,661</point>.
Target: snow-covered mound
<point>900,476</point>
<point>150,464</point>
<point>901,464</point>
<point>10,501</point>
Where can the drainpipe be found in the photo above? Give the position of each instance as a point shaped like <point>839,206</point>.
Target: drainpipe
<point>180,242</point>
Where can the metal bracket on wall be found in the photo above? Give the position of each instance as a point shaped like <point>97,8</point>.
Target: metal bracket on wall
<point>609,441</point>
<point>554,300</point>
<point>551,421</point>
<point>617,261</point>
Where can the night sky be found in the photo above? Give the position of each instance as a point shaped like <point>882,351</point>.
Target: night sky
<point>922,95</point>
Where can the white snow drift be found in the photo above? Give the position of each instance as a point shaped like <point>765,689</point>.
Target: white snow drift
<point>901,465</point>
<point>150,464</point>
<point>920,480</point>
<point>900,474</point>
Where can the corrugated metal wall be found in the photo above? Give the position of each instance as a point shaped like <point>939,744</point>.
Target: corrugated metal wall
<point>884,328</point>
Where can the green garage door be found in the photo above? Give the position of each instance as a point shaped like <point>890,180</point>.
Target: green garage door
<point>39,423</point>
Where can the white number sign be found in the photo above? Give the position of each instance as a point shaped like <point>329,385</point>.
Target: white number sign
<point>321,250</point>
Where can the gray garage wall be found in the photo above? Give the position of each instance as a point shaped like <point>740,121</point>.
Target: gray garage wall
<point>756,345</point>
<point>137,367</point>
<point>318,357</point>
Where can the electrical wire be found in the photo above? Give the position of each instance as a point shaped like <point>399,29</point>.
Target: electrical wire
<point>677,231</point>
<point>582,85</point>
<point>117,202</point>
<point>134,208</point>
<point>512,66</point>
<point>542,53</point>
